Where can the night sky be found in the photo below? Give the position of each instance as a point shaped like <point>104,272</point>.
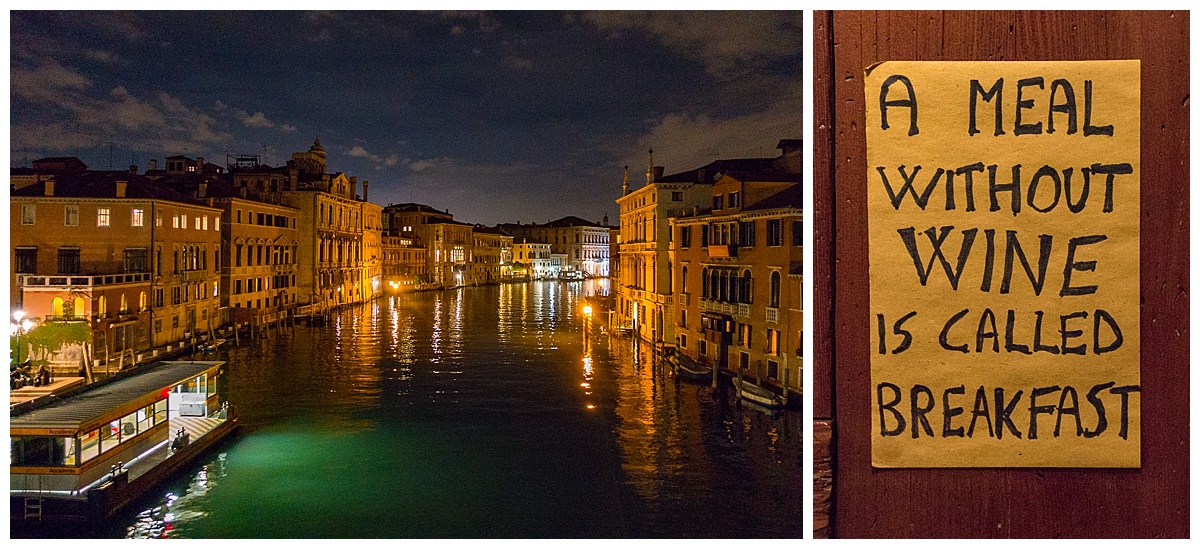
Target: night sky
<point>498,117</point>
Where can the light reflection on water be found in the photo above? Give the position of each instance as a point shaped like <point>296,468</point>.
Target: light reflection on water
<point>498,411</point>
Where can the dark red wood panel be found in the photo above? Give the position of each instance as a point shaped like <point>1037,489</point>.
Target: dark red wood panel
<point>1147,502</point>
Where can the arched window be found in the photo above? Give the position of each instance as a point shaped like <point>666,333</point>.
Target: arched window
<point>747,287</point>
<point>79,309</point>
<point>124,303</point>
<point>56,308</point>
<point>103,306</point>
<point>724,295</point>
<point>683,280</point>
<point>775,288</point>
<point>142,301</point>
<point>704,282</point>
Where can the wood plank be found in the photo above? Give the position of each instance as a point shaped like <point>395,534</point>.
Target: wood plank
<point>1150,502</point>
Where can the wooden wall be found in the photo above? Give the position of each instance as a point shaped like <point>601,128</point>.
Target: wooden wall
<point>868,502</point>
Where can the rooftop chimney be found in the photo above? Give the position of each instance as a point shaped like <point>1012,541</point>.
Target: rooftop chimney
<point>202,190</point>
<point>366,187</point>
<point>49,187</point>
<point>121,186</point>
<point>153,164</point>
<point>133,169</point>
<point>199,164</point>
<point>650,169</point>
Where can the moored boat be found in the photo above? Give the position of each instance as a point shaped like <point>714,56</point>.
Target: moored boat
<point>213,345</point>
<point>758,395</point>
<point>689,370</point>
<point>87,455</point>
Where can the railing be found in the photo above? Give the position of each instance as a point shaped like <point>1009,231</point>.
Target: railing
<point>685,299</point>
<point>195,275</point>
<point>717,306</point>
<point>78,281</point>
<point>723,250</point>
<point>743,309</point>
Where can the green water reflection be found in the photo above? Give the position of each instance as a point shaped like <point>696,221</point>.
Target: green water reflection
<point>497,411</point>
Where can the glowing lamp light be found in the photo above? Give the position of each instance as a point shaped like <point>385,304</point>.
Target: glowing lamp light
<point>18,315</point>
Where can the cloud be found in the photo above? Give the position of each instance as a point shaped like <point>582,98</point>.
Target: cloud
<point>287,128</point>
<point>46,83</point>
<point>155,123</point>
<point>360,152</point>
<point>106,57</point>
<point>729,43</point>
<point>519,63</point>
<point>380,162</point>
<point>683,141</point>
<point>322,36</point>
<point>486,22</point>
<point>258,120</point>
<point>422,165</point>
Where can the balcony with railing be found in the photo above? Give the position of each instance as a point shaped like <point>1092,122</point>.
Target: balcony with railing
<point>194,275</point>
<point>714,306</point>
<point>722,250</point>
<point>82,282</point>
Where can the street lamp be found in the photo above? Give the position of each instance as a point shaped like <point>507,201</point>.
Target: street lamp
<point>21,326</point>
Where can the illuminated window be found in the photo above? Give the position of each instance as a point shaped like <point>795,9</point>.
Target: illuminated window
<point>137,217</point>
<point>205,224</point>
<point>103,305</point>
<point>158,219</point>
<point>183,221</point>
<point>175,221</point>
<point>71,216</point>
<point>103,217</point>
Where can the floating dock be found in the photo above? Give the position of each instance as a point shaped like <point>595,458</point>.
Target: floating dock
<point>86,456</point>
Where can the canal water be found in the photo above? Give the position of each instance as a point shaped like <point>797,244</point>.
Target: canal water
<point>496,411</point>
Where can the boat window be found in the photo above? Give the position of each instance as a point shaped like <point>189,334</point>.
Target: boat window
<point>43,451</point>
<point>145,418</point>
<point>68,451</point>
<point>160,411</point>
<point>110,436</point>
<point>89,445</point>
<point>129,426</point>
<point>212,387</point>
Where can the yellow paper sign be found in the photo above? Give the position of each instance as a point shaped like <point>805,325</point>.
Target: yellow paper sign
<point>1003,204</point>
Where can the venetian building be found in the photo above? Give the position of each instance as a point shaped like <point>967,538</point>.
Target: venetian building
<point>138,263</point>
<point>737,266</point>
